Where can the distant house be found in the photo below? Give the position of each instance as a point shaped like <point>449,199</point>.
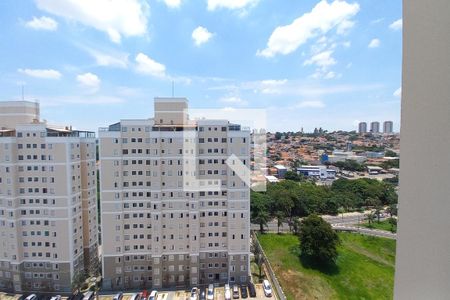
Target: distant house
<point>374,170</point>
<point>320,172</point>
<point>272,179</point>
<point>345,155</point>
<point>281,171</point>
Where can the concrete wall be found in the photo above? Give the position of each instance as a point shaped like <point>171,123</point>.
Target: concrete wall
<point>423,248</point>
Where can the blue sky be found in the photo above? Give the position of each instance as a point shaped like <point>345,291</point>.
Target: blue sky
<point>310,63</point>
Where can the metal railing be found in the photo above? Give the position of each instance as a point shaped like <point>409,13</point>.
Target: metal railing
<point>271,273</point>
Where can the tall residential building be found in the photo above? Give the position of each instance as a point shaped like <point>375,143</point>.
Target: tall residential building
<point>48,209</point>
<point>388,127</point>
<point>375,127</point>
<point>174,210</point>
<point>362,127</point>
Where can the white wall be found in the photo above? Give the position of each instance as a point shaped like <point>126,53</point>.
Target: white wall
<point>423,247</point>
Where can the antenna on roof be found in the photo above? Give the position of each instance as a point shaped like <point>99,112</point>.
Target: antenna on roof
<point>173,89</point>
<point>23,96</point>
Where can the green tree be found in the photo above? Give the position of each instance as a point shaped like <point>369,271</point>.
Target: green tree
<point>371,219</point>
<point>258,258</point>
<point>290,175</point>
<point>259,209</point>
<point>318,240</point>
<point>393,223</point>
<point>390,153</point>
<point>78,281</point>
<point>392,210</point>
<point>280,219</point>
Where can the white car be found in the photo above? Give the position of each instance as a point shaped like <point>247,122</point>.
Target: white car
<point>267,288</point>
<point>57,297</point>
<point>210,295</point>
<point>153,295</point>
<point>31,297</point>
<point>227,292</point>
<point>194,294</point>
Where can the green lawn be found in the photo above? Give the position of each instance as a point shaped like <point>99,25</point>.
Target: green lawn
<point>364,268</point>
<point>383,225</point>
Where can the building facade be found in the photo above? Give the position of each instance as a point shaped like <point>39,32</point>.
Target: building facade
<point>375,127</point>
<point>175,208</point>
<point>48,208</point>
<point>362,127</point>
<point>388,127</point>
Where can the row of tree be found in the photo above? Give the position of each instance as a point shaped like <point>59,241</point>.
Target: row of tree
<point>288,200</point>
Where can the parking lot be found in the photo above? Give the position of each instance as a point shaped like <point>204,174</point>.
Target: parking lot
<point>219,294</point>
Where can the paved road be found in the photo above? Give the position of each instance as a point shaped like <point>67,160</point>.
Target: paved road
<point>346,222</point>
<point>366,231</point>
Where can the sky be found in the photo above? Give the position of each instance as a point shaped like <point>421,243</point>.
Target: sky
<point>308,63</point>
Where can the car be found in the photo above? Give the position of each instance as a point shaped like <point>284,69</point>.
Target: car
<point>203,294</point>
<point>210,294</point>
<point>135,296</point>
<point>32,297</point>
<point>267,288</point>
<point>244,293</point>
<point>153,295</point>
<point>251,290</point>
<point>194,294</point>
<point>227,292</point>
<point>89,296</point>
<point>117,296</point>
<point>57,297</point>
<point>76,296</point>
<point>235,291</point>
<point>144,295</point>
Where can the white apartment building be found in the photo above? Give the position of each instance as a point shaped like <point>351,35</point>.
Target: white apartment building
<point>174,210</point>
<point>48,209</point>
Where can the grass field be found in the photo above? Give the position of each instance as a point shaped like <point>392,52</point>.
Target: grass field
<point>383,225</point>
<point>364,268</point>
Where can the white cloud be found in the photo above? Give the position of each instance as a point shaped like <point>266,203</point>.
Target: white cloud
<point>234,100</point>
<point>148,66</point>
<point>115,17</point>
<point>398,92</point>
<point>374,43</point>
<point>173,3</point>
<point>322,59</point>
<point>272,86</point>
<point>311,104</point>
<point>396,25</point>
<point>41,73</point>
<point>107,58</point>
<point>42,23</point>
<point>201,35</point>
<point>231,4</point>
<point>89,80</point>
<point>322,18</point>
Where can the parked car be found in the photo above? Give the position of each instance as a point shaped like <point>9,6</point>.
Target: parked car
<point>244,293</point>
<point>118,296</point>
<point>267,288</point>
<point>210,294</point>
<point>31,297</point>
<point>135,296</point>
<point>57,297</point>
<point>153,295</point>
<point>235,291</point>
<point>227,292</point>
<point>203,294</point>
<point>144,295</point>
<point>251,290</point>
<point>89,296</point>
<point>194,294</point>
<point>76,296</point>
